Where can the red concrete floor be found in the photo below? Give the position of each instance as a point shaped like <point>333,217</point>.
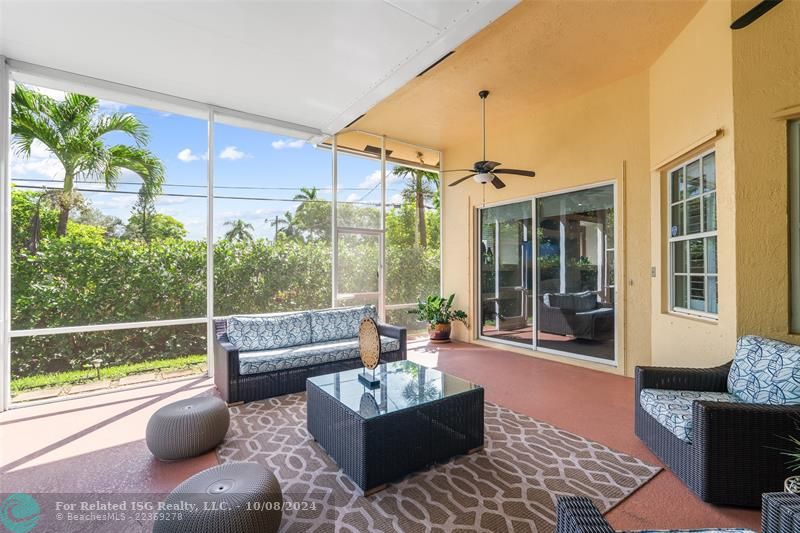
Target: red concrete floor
<point>95,444</point>
<point>595,405</point>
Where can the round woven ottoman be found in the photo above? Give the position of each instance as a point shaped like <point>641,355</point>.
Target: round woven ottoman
<point>187,428</point>
<point>240,497</point>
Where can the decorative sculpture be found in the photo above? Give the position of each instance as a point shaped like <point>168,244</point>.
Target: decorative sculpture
<point>369,345</point>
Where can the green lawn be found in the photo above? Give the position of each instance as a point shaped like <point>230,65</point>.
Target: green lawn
<point>113,372</point>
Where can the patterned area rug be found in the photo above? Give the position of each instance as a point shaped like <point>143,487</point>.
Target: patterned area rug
<point>511,485</point>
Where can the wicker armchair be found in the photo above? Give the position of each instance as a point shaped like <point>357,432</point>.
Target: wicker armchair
<point>577,514</point>
<point>735,453</point>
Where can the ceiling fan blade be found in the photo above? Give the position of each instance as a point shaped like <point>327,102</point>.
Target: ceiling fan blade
<point>486,166</point>
<point>462,179</point>
<point>498,183</point>
<point>529,173</point>
<point>754,14</point>
<point>459,170</point>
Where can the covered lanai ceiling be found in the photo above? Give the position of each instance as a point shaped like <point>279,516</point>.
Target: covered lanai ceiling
<point>315,63</point>
<point>537,54</point>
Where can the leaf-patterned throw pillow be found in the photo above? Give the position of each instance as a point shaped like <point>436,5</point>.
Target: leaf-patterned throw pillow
<point>268,332</point>
<point>335,324</point>
<point>765,371</point>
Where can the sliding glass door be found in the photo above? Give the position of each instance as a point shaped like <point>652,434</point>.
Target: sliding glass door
<point>575,286</point>
<point>547,273</point>
<point>506,270</point>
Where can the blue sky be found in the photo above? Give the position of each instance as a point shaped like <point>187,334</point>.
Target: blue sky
<point>268,168</point>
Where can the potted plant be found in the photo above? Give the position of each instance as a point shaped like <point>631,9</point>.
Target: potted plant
<point>439,314</point>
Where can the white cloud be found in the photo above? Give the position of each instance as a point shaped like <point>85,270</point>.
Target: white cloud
<point>107,106</point>
<point>40,151</point>
<point>371,180</point>
<point>396,199</point>
<point>232,153</point>
<point>288,143</point>
<point>187,156</point>
<point>375,178</point>
<point>352,197</point>
<point>172,200</point>
<point>41,164</point>
<point>122,203</point>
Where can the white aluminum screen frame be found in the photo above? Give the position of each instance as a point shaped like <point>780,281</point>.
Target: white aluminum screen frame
<point>36,74</point>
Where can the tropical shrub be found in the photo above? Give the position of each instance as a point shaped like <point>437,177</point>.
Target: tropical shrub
<point>89,276</point>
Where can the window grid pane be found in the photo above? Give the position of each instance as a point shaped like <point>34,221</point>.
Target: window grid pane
<point>680,292</point>
<point>693,179</point>
<point>710,212</point>
<point>711,255</point>
<point>697,293</point>
<point>709,173</point>
<point>693,216</point>
<point>679,260</point>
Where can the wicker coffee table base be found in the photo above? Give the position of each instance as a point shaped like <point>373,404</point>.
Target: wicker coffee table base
<point>378,450</point>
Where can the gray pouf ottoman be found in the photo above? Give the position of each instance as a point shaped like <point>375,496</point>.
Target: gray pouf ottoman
<point>240,497</point>
<point>187,428</point>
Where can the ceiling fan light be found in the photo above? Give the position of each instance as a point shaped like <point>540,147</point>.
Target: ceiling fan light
<point>483,177</point>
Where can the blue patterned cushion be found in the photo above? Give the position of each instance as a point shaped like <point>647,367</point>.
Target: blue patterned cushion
<point>267,332</point>
<point>765,371</point>
<point>673,408</point>
<point>335,324</point>
<point>310,354</point>
<point>717,530</point>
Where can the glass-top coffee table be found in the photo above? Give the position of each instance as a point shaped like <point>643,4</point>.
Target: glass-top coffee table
<point>416,417</point>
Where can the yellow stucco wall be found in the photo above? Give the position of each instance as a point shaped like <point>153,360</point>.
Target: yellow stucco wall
<point>766,79</point>
<point>710,84</point>
<point>575,143</point>
<point>690,97</point>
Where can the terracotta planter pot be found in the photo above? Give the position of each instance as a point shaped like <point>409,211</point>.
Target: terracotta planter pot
<point>439,333</point>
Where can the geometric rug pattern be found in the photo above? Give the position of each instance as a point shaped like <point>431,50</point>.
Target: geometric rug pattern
<point>510,485</point>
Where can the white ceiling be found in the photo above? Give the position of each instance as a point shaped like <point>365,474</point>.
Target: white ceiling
<point>314,63</point>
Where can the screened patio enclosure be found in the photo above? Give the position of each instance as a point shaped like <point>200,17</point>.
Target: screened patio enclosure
<point>253,216</point>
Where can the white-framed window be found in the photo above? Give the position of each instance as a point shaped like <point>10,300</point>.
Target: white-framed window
<point>692,230</point>
<point>794,222</point>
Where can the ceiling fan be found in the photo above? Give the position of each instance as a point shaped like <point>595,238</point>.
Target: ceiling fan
<point>485,171</point>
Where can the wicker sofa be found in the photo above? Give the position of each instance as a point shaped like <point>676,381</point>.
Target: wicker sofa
<point>722,430</point>
<point>577,514</point>
<point>260,356</point>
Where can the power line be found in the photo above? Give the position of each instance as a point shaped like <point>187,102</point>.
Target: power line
<point>203,196</point>
<point>189,186</point>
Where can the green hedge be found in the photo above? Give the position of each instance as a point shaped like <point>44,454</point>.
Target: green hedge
<point>85,278</point>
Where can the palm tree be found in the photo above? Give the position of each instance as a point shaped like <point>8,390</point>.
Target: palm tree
<point>240,231</point>
<point>307,195</point>
<point>289,224</point>
<point>420,185</point>
<point>73,131</point>
<point>312,218</point>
